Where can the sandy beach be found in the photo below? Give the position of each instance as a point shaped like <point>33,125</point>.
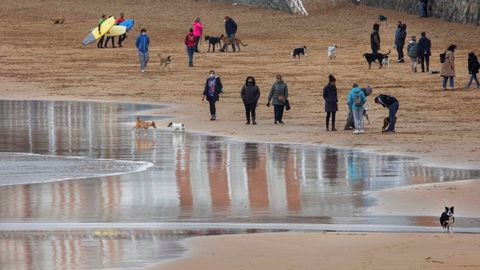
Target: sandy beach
<point>39,60</point>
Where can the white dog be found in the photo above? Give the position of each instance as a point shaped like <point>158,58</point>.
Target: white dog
<point>386,62</point>
<point>332,51</point>
<point>179,127</point>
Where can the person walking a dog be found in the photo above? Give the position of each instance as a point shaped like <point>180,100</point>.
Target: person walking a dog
<point>375,38</point>
<point>356,101</point>
<point>190,42</point>
<point>230,29</point>
<point>473,67</point>
<point>211,92</point>
<point>331,100</point>
<point>448,67</point>
<point>278,96</point>
<point>250,94</point>
<point>424,45</point>
<point>400,36</point>
<point>142,43</point>
<point>412,50</point>
<point>392,104</point>
<point>197,32</point>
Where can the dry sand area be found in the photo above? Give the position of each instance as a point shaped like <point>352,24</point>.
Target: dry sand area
<point>39,60</point>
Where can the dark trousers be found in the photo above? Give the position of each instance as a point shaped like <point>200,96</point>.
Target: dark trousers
<point>197,40</point>
<point>473,76</point>
<point>250,111</point>
<point>113,42</point>
<point>213,110</point>
<point>121,39</point>
<point>100,42</point>
<point>278,112</point>
<point>392,111</point>
<point>400,52</point>
<point>333,119</point>
<point>190,52</point>
<point>374,50</point>
<point>425,60</point>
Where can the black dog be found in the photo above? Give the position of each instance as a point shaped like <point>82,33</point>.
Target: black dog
<point>382,18</point>
<point>372,57</point>
<point>447,219</point>
<point>299,52</point>
<point>213,41</point>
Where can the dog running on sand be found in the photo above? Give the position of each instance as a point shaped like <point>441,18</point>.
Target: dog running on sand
<point>142,125</point>
<point>299,52</point>
<point>165,62</point>
<point>447,219</point>
<point>58,19</point>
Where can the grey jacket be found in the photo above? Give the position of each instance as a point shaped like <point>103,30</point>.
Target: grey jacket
<point>278,89</point>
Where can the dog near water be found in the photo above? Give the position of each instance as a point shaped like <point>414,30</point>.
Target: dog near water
<point>299,52</point>
<point>142,125</point>
<point>447,219</point>
<point>177,127</point>
<point>372,57</point>
<point>212,42</point>
<point>332,51</point>
<point>165,62</point>
<point>58,19</point>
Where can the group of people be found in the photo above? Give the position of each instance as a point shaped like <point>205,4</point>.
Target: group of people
<point>100,43</point>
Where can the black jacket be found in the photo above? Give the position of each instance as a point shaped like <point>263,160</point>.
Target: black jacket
<point>386,100</point>
<point>473,65</point>
<point>215,95</point>
<point>330,97</point>
<point>230,27</point>
<point>375,38</point>
<point>400,37</point>
<point>424,45</point>
<point>250,94</point>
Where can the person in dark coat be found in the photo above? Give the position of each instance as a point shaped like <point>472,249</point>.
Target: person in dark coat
<point>211,92</point>
<point>473,67</point>
<point>230,29</point>
<point>392,104</point>
<point>250,94</point>
<point>375,38</point>
<point>278,95</point>
<point>331,100</point>
<point>424,45</point>
<point>400,36</point>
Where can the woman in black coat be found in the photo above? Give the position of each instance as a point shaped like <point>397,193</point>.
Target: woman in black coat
<point>331,100</point>
<point>473,67</point>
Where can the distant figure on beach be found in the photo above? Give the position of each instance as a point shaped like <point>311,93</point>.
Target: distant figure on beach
<point>356,101</point>
<point>197,32</point>
<point>400,35</point>
<point>392,104</point>
<point>423,8</point>
<point>190,42</point>
<point>412,50</point>
<point>211,92</point>
<point>448,67</point>
<point>112,38</point>
<point>331,100</point>
<point>278,96</point>
<point>230,30</point>
<point>473,67</point>
<point>424,45</point>
<point>375,38</point>
<point>250,94</point>
<point>142,43</point>
<point>100,22</point>
<point>124,36</point>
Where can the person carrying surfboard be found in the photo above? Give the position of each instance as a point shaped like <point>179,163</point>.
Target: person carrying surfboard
<point>100,22</point>
<point>112,38</point>
<point>124,36</point>
<point>142,47</point>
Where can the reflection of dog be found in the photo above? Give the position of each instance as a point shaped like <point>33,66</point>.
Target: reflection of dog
<point>165,62</point>
<point>299,52</point>
<point>231,41</point>
<point>142,125</point>
<point>58,19</point>
<point>372,57</point>
<point>179,127</point>
<point>447,219</point>
<point>213,41</point>
<point>332,51</point>
<point>386,123</point>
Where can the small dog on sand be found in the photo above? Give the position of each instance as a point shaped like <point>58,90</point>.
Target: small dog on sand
<point>386,61</point>
<point>447,219</point>
<point>165,62</point>
<point>58,19</point>
<point>299,52</point>
<point>142,125</point>
<point>178,127</point>
<point>332,51</point>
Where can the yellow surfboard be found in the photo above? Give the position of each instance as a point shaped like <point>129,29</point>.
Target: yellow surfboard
<point>116,30</point>
<point>95,34</point>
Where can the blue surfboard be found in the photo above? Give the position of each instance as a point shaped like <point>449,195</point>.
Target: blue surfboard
<point>128,23</point>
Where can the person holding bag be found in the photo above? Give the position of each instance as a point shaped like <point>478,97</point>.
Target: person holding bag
<point>278,96</point>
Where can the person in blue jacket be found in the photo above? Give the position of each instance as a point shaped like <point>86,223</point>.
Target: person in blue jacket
<point>142,47</point>
<point>356,101</point>
<point>230,29</point>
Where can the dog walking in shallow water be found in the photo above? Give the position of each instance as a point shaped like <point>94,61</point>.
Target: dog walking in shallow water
<point>142,125</point>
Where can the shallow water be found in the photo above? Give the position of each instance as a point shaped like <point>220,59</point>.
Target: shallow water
<point>194,179</point>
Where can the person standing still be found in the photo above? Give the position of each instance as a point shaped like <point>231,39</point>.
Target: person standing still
<point>211,92</point>
<point>142,43</point>
<point>190,43</point>
<point>375,38</point>
<point>448,67</point>
<point>278,96</point>
<point>400,36</point>
<point>250,94</point>
<point>331,100</point>
<point>412,50</point>
<point>424,45</point>
<point>197,32</point>
<point>230,29</point>
<point>356,101</point>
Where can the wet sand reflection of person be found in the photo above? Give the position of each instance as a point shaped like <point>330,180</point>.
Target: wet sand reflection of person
<point>250,155</point>
<point>330,164</point>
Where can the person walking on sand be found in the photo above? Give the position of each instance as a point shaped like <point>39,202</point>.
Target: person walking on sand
<point>375,38</point>
<point>331,100</point>
<point>424,45</point>
<point>400,36</point>
<point>190,42</point>
<point>100,22</point>
<point>124,36</point>
<point>473,67</point>
<point>448,67</point>
<point>142,43</point>
<point>392,104</point>
<point>278,96</point>
<point>197,32</point>
<point>250,94</point>
<point>356,101</point>
<point>211,92</point>
<point>412,50</point>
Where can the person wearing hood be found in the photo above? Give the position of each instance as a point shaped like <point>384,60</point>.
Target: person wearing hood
<point>392,104</point>
<point>400,36</point>
<point>473,67</point>
<point>331,100</point>
<point>356,101</point>
<point>211,92</point>
<point>375,38</point>
<point>448,67</point>
<point>412,50</point>
<point>424,45</point>
<point>278,95</point>
<point>142,43</point>
<point>250,94</point>
<point>197,32</point>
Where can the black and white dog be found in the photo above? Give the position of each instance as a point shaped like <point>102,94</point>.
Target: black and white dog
<point>299,52</point>
<point>447,219</point>
<point>213,41</point>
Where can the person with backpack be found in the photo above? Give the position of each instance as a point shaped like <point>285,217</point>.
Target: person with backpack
<point>448,66</point>
<point>412,50</point>
<point>190,42</point>
<point>278,95</point>
<point>197,32</point>
<point>331,100</point>
<point>250,94</point>
<point>473,67</point>
<point>142,43</point>
<point>424,45</point>
<point>392,104</point>
<point>356,101</point>
<point>400,36</point>
<point>211,92</point>
<point>375,38</point>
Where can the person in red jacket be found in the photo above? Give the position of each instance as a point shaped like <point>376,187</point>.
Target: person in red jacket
<point>190,42</point>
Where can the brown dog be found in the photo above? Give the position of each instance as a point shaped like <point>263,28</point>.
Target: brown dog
<point>229,41</point>
<point>58,19</point>
<point>165,62</point>
<point>141,124</point>
<point>386,123</point>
